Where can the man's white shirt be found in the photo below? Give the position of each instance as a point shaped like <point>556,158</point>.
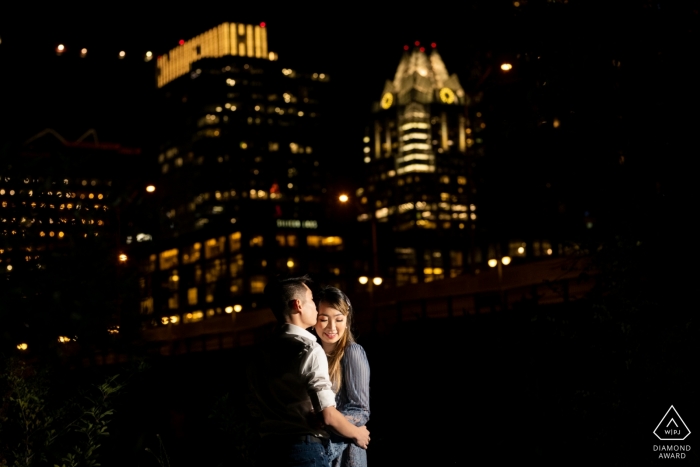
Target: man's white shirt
<point>292,383</point>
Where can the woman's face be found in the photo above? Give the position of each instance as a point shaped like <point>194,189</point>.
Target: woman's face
<point>330,325</point>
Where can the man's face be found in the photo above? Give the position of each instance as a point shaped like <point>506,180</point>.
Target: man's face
<point>309,314</point>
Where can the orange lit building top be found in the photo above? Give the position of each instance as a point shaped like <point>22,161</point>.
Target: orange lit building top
<point>237,39</point>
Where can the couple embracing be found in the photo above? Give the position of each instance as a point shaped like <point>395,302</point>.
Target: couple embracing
<point>310,381</point>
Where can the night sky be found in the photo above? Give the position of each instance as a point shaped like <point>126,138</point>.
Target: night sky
<point>618,77</point>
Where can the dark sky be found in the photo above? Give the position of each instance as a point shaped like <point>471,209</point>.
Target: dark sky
<point>360,47</point>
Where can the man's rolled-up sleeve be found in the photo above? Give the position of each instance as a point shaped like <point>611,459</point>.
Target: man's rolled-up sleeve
<point>319,384</point>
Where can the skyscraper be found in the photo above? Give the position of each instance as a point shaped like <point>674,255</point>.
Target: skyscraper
<point>419,189</point>
<point>243,165</point>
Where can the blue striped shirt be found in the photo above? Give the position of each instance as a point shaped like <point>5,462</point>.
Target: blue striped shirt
<point>353,401</point>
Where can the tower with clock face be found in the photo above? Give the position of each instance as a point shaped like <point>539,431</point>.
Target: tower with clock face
<point>418,186</point>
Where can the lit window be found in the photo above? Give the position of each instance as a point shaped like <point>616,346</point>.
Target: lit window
<point>147,306</point>
<point>256,241</point>
<point>235,241</point>
<point>192,253</point>
<point>214,247</point>
<point>168,259</point>
<point>173,302</point>
<point>257,284</point>
<point>193,317</point>
<point>215,270</point>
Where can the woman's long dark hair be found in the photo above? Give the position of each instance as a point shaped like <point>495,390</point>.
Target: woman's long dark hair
<point>335,298</point>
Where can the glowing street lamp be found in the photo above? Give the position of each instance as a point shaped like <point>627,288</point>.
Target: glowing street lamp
<point>377,281</point>
<point>506,67</point>
<point>150,188</point>
<point>363,280</point>
<point>344,198</point>
<point>499,263</point>
<point>22,346</point>
<point>122,258</point>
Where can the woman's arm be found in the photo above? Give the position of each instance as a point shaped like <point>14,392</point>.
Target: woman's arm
<point>355,385</point>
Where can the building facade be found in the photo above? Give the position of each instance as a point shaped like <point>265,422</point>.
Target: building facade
<point>420,193</point>
<point>64,225</point>
<point>243,168</point>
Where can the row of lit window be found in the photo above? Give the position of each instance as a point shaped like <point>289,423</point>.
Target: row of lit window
<point>50,193</point>
<point>43,234</point>
<point>388,211</point>
<point>253,194</point>
<point>77,206</point>
<point>422,205</point>
<point>60,220</point>
<point>429,224</point>
<point>195,316</point>
<point>216,247</point>
<point>39,180</point>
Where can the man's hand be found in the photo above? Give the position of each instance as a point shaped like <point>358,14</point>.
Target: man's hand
<point>336,420</point>
<point>362,438</point>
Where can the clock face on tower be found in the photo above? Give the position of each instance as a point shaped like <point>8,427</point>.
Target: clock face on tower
<point>447,95</point>
<point>387,100</point>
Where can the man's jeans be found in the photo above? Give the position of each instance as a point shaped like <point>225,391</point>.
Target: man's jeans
<point>305,454</point>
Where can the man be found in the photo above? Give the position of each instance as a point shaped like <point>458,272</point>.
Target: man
<point>291,389</point>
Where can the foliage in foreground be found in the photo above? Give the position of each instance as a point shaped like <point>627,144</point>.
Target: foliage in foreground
<point>37,428</point>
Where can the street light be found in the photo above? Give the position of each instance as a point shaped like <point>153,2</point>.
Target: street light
<point>344,198</point>
<point>122,258</point>
<point>150,188</point>
<point>499,263</point>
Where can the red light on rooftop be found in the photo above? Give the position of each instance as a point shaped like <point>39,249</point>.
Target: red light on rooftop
<point>405,47</point>
<point>417,43</point>
<point>422,49</point>
<point>433,45</point>
<point>262,25</point>
<point>181,42</point>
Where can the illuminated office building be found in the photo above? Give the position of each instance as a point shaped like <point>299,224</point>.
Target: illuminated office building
<point>242,175</point>
<point>54,192</point>
<point>419,156</point>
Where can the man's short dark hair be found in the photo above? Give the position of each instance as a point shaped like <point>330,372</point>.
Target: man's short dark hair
<point>279,294</point>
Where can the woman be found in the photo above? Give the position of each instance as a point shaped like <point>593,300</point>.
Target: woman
<point>348,369</point>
